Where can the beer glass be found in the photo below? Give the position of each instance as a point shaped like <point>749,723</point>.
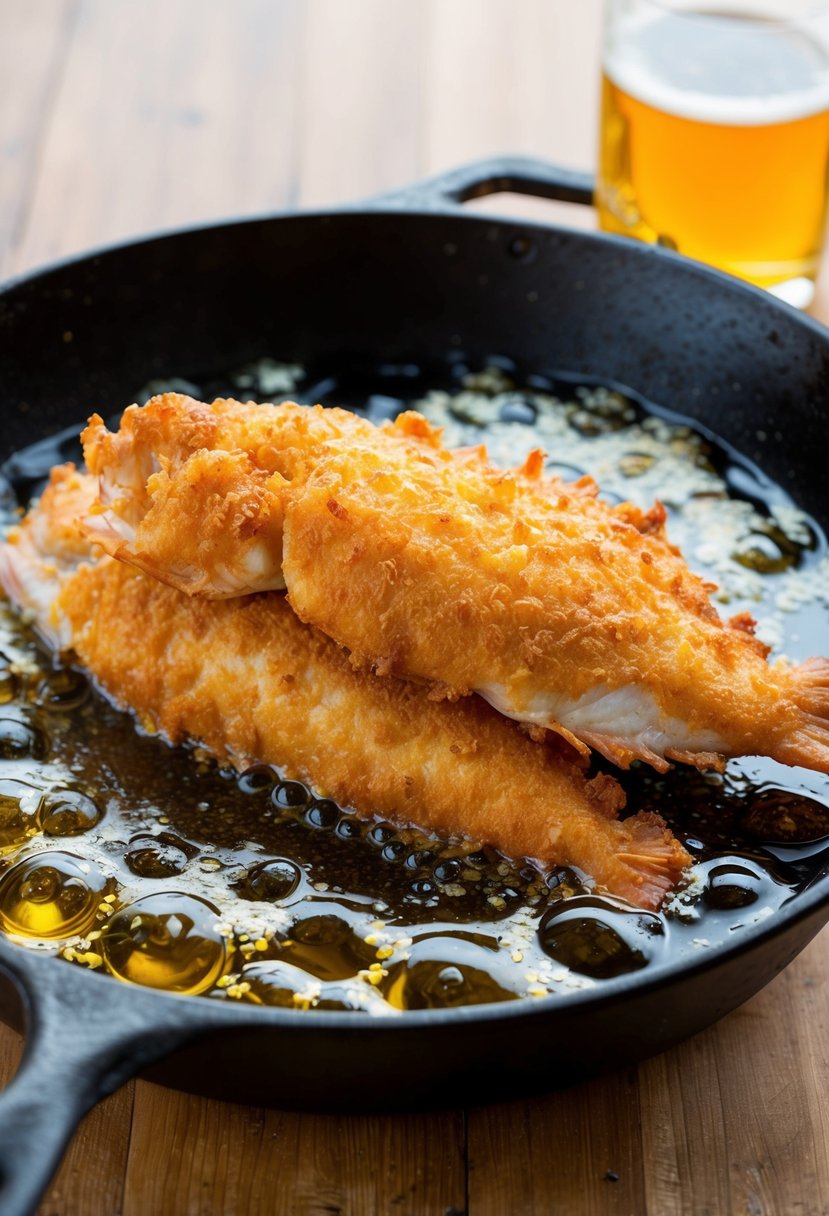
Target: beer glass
<point>715,133</point>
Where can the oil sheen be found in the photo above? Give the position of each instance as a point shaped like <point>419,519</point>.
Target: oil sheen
<point>153,865</point>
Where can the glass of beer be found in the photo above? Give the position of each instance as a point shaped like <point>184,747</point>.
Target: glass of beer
<point>715,133</point>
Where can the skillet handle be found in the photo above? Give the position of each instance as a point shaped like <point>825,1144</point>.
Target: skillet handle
<point>80,1046</point>
<point>495,175</point>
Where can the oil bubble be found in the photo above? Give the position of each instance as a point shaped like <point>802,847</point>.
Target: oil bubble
<point>156,860</point>
<point>270,881</point>
<point>600,939</point>
<point>732,884</point>
<point>765,554</point>
<point>288,794</point>
<point>349,828</point>
<point>67,813</point>
<point>423,888</point>
<point>62,689</point>
<point>555,879</point>
<point>480,859</point>
<point>169,940</point>
<point>18,821</point>
<point>282,985</point>
<point>257,778</point>
<point>447,870</point>
<point>440,984</point>
<point>778,816</point>
<point>159,855</point>
<point>18,740</point>
<point>327,947</point>
<point>381,834</point>
<point>348,997</point>
<point>275,983</point>
<point>51,895</point>
<point>323,813</point>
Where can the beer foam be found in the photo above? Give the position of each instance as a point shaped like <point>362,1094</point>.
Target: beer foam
<point>753,76</point>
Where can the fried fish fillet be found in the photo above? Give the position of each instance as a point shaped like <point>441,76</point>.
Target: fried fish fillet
<point>249,681</point>
<point>563,612</point>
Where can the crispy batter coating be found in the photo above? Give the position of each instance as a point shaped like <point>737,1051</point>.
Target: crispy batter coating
<point>195,494</point>
<point>563,612</point>
<point>249,681</point>
<point>38,557</point>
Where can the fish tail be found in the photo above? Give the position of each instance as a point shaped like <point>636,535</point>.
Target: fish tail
<point>808,743</point>
<point>652,857</point>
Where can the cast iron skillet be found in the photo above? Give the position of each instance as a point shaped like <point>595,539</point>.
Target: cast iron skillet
<point>406,278</point>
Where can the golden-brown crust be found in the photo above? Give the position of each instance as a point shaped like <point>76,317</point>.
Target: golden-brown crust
<point>445,584</point>
<point>439,567</point>
<point>249,681</point>
<point>195,494</point>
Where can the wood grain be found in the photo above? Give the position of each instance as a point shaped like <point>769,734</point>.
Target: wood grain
<point>11,1049</point>
<point>269,1163</point>
<point>361,108</point>
<point>92,1174</point>
<point>164,115</point>
<point>735,1119</point>
<point>117,118</point>
<point>91,1178</point>
<point>514,76</point>
<point>576,1151</point>
<point>32,47</point>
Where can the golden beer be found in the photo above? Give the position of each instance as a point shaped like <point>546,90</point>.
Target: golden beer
<point>715,141</point>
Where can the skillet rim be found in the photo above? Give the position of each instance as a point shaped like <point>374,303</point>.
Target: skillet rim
<point>406,207</point>
<point>14,957</point>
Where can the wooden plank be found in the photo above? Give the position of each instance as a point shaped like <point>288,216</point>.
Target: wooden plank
<point>735,1121</point>
<point>154,114</point>
<point>11,1049</point>
<point>166,115</point>
<point>90,1181</point>
<point>33,39</point>
<point>196,1157</point>
<point>683,1140</point>
<point>573,1152</point>
<point>518,76</point>
<point>361,106</point>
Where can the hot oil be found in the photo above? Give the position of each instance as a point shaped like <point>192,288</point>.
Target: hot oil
<point>153,864</point>
<point>189,877</point>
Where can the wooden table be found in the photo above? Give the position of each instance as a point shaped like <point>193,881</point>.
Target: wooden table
<point>119,117</point>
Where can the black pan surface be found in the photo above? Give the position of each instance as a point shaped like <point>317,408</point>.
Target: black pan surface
<point>405,279</point>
